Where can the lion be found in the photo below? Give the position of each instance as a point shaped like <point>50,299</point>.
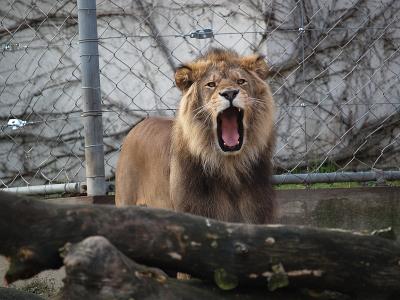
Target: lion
<point>214,158</point>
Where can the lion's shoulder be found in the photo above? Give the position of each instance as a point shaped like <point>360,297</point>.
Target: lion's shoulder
<point>152,123</point>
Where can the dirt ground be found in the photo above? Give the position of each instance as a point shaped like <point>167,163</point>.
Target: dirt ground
<point>45,284</point>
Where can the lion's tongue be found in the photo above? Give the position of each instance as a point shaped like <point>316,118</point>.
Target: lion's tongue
<point>229,127</point>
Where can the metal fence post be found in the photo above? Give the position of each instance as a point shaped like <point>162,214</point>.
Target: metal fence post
<point>92,116</point>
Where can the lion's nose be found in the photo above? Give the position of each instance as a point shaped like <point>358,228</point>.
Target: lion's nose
<point>229,94</point>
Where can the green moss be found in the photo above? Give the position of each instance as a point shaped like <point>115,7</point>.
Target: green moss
<point>335,185</point>
<point>224,280</point>
<point>279,278</point>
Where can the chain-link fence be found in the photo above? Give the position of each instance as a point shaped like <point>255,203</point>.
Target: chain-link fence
<point>335,70</point>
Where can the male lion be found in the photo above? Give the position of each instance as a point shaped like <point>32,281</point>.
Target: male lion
<point>214,159</point>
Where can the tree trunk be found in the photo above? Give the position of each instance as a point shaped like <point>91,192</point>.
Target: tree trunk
<point>14,294</point>
<point>95,269</point>
<point>231,255</point>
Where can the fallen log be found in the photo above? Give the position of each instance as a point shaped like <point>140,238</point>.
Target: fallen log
<point>14,294</point>
<point>95,269</point>
<point>231,255</point>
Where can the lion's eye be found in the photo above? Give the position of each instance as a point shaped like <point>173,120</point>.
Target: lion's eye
<point>241,81</point>
<point>211,84</point>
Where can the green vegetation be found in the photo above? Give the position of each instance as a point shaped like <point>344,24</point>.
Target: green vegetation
<point>327,167</point>
<point>224,280</point>
<point>335,185</point>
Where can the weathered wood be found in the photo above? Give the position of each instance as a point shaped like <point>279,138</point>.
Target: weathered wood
<point>82,200</point>
<point>14,294</point>
<point>95,269</point>
<point>364,208</point>
<point>271,256</point>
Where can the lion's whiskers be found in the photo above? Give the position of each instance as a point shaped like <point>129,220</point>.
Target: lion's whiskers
<point>207,114</point>
<point>257,100</point>
<point>199,110</point>
<point>207,120</point>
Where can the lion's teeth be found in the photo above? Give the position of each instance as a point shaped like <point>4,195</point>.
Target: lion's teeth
<point>239,109</point>
<point>224,144</point>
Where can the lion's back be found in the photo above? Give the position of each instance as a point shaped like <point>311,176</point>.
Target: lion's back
<point>142,175</point>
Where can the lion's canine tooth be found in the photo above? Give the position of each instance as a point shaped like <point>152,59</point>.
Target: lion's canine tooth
<point>239,109</point>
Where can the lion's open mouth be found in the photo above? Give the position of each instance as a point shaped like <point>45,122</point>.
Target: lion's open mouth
<point>230,129</point>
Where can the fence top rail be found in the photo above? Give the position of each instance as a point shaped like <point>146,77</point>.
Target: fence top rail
<point>80,187</point>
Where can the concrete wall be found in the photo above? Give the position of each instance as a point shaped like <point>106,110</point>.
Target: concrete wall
<point>335,84</point>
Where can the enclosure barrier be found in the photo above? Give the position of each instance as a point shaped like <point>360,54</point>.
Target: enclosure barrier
<point>334,73</point>
<point>381,178</point>
<point>378,176</point>
<point>66,188</point>
<point>92,113</point>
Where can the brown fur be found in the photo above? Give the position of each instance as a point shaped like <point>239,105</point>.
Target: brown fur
<point>178,164</point>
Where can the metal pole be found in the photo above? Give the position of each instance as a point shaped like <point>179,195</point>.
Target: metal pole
<point>310,178</point>
<point>336,177</point>
<point>74,188</point>
<point>92,116</point>
<point>48,189</point>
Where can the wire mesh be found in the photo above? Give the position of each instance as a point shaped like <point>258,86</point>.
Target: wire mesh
<point>40,137</point>
<point>334,75</point>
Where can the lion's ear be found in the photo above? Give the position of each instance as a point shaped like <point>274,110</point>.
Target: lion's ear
<point>257,64</point>
<point>183,77</point>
